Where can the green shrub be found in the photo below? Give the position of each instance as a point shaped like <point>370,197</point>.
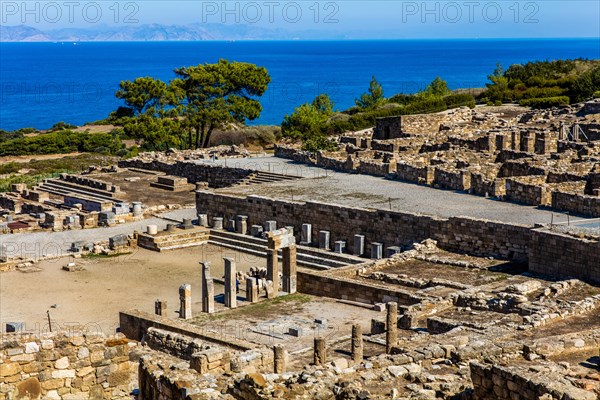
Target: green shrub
<point>320,142</point>
<point>545,102</point>
<point>60,142</point>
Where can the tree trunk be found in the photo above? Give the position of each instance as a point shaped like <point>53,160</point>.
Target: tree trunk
<point>198,130</point>
<point>190,137</point>
<point>207,136</point>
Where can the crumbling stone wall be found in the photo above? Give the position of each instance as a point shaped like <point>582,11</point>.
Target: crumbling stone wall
<point>57,366</point>
<point>338,287</point>
<point>530,190</point>
<point>388,128</point>
<point>216,176</point>
<point>494,382</point>
<point>134,324</point>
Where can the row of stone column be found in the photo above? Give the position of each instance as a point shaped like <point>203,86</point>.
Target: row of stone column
<point>339,246</point>
<point>240,225</point>
<point>320,345</point>
<point>230,280</point>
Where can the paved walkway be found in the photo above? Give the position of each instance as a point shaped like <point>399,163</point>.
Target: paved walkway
<point>375,192</point>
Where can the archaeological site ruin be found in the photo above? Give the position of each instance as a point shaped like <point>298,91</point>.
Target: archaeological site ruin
<point>440,256</point>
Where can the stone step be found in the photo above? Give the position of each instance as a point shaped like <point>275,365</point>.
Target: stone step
<point>81,188</point>
<point>180,236</point>
<point>66,192</point>
<point>304,254</point>
<point>174,244</point>
<point>59,189</point>
<point>276,175</point>
<point>263,253</point>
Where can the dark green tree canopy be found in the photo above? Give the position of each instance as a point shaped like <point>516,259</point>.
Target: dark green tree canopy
<point>143,95</point>
<point>200,99</point>
<point>373,98</point>
<point>216,94</point>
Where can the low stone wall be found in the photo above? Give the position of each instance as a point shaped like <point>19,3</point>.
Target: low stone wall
<point>134,324</point>
<point>292,153</point>
<point>493,382</point>
<point>215,175</point>
<point>57,366</point>
<point>337,287</point>
<point>156,383</point>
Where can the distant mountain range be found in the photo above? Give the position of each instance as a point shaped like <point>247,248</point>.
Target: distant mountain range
<point>152,32</point>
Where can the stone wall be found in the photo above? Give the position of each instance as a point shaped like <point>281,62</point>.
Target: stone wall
<point>216,176</point>
<point>338,287</point>
<point>57,366</point>
<point>294,154</point>
<point>576,203</point>
<point>494,382</point>
<point>529,190</point>
<point>387,128</point>
<point>135,324</point>
<point>452,179</point>
<point>547,252</point>
<point>477,237</point>
<point>562,255</point>
<point>156,383</point>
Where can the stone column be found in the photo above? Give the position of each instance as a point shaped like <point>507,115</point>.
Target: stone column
<point>230,283</point>
<point>185,301</point>
<point>251,290</point>
<point>320,357</point>
<point>217,222</point>
<point>306,235</point>
<point>358,249</point>
<point>376,250</point>
<point>391,337</point>
<point>273,269</point>
<point>279,359</point>
<point>208,289</point>
<point>357,343</point>
<point>390,251</point>
<point>137,208</point>
<point>289,269</point>
<point>339,246</point>
<point>270,226</point>
<point>203,220</point>
<point>241,224</point>
<point>160,308</point>
<point>324,240</point>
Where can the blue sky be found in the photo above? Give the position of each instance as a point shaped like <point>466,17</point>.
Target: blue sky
<point>351,19</point>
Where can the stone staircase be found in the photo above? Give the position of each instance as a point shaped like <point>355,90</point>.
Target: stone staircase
<point>306,256</point>
<point>172,240</point>
<point>61,188</point>
<point>259,177</point>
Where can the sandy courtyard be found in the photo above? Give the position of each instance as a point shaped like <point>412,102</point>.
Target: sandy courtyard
<point>94,297</point>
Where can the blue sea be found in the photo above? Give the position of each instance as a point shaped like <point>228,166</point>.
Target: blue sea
<point>43,83</point>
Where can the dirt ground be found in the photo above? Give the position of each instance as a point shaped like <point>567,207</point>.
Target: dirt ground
<point>94,297</point>
<point>140,189</point>
<point>26,159</point>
